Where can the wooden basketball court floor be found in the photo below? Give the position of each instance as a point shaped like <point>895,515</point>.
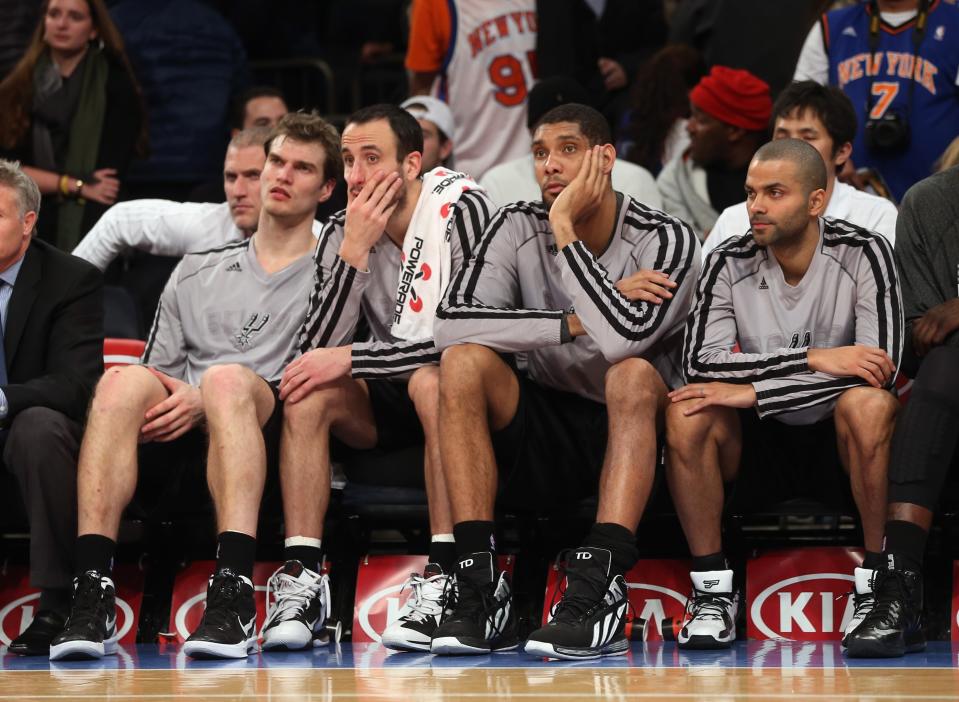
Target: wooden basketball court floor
<point>752,670</point>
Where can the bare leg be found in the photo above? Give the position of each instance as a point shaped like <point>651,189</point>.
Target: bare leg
<point>424,391</point>
<point>865,418</point>
<point>107,473</point>
<point>341,407</point>
<point>479,393</point>
<point>908,512</point>
<point>238,404</point>
<point>635,401</point>
<point>703,452</point>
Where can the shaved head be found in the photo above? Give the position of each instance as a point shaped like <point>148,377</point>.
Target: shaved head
<point>810,168</point>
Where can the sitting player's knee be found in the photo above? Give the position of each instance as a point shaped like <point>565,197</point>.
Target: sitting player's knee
<point>633,382</point>
<point>684,433</point>
<point>37,430</point>
<point>424,387</point>
<point>225,383</point>
<point>122,386</point>
<point>867,407</point>
<point>465,362</point>
<point>312,411</point>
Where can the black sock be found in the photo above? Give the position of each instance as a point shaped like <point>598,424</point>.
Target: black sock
<point>474,537</point>
<point>714,561</point>
<point>873,561</point>
<point>443,554</point>
<point>309,556</point>
<point>620,542</point>
<point>56,599</point>
<point>907,544</point>
<point>236,551</point>
<point>95,552</point>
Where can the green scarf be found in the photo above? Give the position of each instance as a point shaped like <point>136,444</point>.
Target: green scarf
<point>84,145</point>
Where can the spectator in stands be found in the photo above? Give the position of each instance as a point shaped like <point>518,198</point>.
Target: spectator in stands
<point>73,116</point>
<point>655,129</point>
<point>516,180</point>
<point>601,371</point>
<point>166,228</point>
<point>480,59</point>
<point>259,106</point>
<point>238,304</point>
<point>189,109</point>
<point>19,20</point>
<point>385,261</point>
<point>436,119</point>
<point>791,347</point>
<point>598,44</point>
<point>823,117</point>
<point>907,101</point>
<point>729,116</point>
<point>924,445</point>
<point>51,354</point>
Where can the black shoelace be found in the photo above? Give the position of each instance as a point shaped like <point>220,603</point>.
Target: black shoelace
<point>583,594</point>
<point>86,602</point>
<point>473,599</point>
<point>221,609</point>
<point>889,587</point>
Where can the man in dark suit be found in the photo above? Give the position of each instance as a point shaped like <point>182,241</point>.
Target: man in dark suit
<point>51,318</point>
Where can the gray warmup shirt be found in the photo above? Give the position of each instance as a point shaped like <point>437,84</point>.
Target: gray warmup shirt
<point>220,306</point>
<point>849,295</point>
<point>516,291</point>
<point>342,295</point>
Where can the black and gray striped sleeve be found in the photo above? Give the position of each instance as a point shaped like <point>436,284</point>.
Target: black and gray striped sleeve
<point>624,328</point>
<point>482,303</point>
<point>879,323</point>
<point>334,306</point>
<point>378,359</point>
<point>708,354</point>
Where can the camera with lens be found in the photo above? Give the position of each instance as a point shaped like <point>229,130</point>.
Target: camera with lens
<point>888,134</point>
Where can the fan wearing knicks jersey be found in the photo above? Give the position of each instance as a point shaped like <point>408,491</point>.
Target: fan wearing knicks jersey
<point>225,324</point>
<point>791,350</point>
<point>546,280</point>
<point>479,56</point>
<point>385,260</point>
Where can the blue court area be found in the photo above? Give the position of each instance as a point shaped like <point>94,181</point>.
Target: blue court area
<point>755,655</point>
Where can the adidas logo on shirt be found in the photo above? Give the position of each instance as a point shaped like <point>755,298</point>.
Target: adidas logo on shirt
<point>762,284</point>
<point>235,266</point>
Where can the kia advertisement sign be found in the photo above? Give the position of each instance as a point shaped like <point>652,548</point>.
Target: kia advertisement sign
<point>380,594</point>
<point>955,601</point>
<point>189,596</point>
<point>801,594</point>
<point>657,591</point>
<point>19,602</point>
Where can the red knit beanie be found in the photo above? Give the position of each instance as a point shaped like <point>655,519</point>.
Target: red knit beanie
<point>734,96</point>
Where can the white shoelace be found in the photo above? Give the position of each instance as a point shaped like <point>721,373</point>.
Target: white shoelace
<point>287,596</point>
<point>427,598</point>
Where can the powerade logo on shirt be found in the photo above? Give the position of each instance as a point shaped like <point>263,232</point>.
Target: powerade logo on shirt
<point>410,274</point>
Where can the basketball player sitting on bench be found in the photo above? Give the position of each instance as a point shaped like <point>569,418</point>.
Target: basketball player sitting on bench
<point>814,307</point>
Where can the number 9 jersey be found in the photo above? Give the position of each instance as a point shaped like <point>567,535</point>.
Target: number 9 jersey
<point>484,55</point>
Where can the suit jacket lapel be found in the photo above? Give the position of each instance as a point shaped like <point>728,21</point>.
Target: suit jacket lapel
<point>24,294</point>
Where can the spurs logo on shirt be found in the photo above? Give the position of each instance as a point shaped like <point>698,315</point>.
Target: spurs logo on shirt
<point>243,339</point>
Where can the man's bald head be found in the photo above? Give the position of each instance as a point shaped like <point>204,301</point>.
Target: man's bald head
<point>810,168</point>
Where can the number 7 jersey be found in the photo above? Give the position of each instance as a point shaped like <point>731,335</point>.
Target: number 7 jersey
<point>485,77</point>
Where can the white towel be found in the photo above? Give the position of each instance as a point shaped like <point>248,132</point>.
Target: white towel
<point>426,272</point>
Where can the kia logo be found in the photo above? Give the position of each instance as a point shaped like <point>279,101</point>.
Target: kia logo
<point>393,606</point>
<point>798,608</point>
<point>25,610</point>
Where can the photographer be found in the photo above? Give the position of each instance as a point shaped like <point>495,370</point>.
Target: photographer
<point>898,61</point>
